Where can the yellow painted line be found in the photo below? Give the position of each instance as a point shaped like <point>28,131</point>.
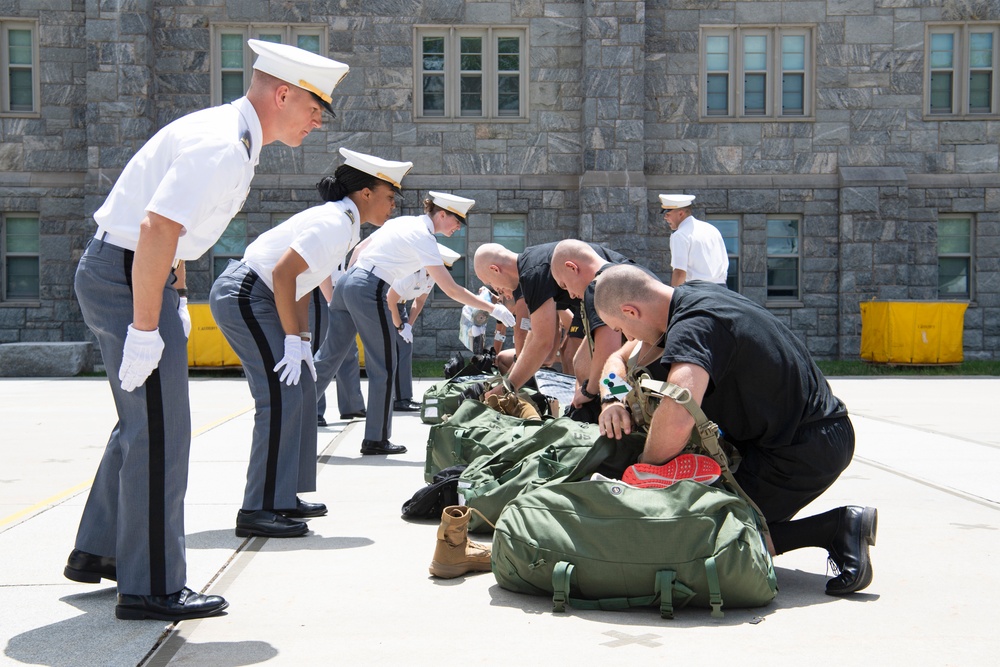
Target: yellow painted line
<point>59,497</point>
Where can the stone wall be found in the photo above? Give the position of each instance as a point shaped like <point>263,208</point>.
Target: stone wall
<point>613,121</point>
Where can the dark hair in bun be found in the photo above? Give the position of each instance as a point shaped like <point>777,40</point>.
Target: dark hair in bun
<point>345,181</point>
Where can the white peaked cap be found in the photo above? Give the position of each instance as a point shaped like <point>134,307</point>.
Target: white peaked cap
<point>448,255</point>
<point>458,205</point>
<point>676,201</point>
<point>299,67</point>
<point>388,170</point>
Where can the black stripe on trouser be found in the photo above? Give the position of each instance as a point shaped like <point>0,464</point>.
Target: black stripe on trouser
<point>156,465</point>
<point>404,317</point>
<point>273,388</point>
<point>318,303</point>
<point>387,342</point>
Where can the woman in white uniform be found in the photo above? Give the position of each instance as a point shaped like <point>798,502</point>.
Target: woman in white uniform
<point>262,306</point>
<point>401,247</point>
<point>408,296</point>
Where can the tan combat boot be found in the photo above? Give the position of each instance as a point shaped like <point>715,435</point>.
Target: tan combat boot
<point>455,554</point>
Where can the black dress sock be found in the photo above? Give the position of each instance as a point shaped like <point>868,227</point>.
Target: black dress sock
<point>812,531</point>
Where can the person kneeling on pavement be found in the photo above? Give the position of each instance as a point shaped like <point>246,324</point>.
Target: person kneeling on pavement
<point>758,382</point>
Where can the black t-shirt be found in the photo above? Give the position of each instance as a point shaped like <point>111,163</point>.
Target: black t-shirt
<point>535,282</point>
<point>763,382</point>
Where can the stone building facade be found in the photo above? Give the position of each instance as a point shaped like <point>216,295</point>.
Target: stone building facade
<point>855,194</point>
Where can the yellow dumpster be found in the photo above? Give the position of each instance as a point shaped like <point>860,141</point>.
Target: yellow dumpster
<point>912,332</point>
<point>206,344</point>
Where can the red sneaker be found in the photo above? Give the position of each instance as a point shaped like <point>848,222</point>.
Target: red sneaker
<point>699,468</point>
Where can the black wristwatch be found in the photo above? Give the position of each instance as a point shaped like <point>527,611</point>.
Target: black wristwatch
<point>611,398</point>
<point>401,326</point>
<point>583,390</point>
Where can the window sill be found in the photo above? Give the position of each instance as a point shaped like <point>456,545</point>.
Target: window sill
<point>20,114</point>
<point>757,119</point>
<point>20,304</point>
<point>791,303</point>
<point>958,117</point>
<point>472,120</point>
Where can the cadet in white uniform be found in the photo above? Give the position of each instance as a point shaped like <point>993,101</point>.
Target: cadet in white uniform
<point>409,294</point>
<point>172,202</point>
<point>262,306</point>
<point>401,247</point>
<point>697,250</point>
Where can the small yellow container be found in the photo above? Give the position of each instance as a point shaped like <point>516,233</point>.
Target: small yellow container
<point>206,345</point>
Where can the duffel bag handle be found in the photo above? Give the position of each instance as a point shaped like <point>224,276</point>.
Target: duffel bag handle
<point>665,586</point>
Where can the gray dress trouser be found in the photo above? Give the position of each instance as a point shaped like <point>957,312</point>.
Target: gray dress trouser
<point>359,307</point>
<point>135,510</point>
<point>404,354</point>
<point>283,449</point>
<point>348,376</point>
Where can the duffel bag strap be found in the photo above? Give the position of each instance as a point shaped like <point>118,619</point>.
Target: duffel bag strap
<point>709,433</point>
<point>714,590</point>
<point>665,586</point>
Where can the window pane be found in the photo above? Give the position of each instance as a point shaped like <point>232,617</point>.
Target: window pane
<point>433,95</point>
<point>472,95</point>
<point>954,236</point>
<point>782,237</point>
<point>510,233</point>
<point>456,242</point>
<point>19,47</point>
<point>22,235</point>
<point>717,54</point>
<point>980,92</point>
<point>730,234</point>
<point>782,277</point>
<point>733,274</point>
<point>233,241</point>
<point>981,50</point>
<point>755,52</point>
<point>754,94</point>
<point>22,277</point>
<point>509,95</point>
<point>942,50</point>
<point>508,54</point>
<point>308,43</point>
<point>273,37</point>
<point>941,92</point>
<point>232,51</point>
<point>953,276</point>
<point>434,54</point>
<point>472,53</point>
<point>472,62</point>
<point>21,91</point>
<point>793,52</point>
<point>717,95</point>
<point>792,94</point>
<point>232,86</point>
<point>218,266</point>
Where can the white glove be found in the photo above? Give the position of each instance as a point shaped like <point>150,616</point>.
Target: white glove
<point>292,361</point>
<point>307,356</point>
<point>182,311</point>
<point>502,315</point>
<point>406,333</point>
<point>141,357</point>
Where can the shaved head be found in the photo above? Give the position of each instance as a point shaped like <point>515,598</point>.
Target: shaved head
<point>621,284</point>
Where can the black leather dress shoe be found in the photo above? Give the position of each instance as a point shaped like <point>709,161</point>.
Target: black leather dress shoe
<point>320,421</point>
<point>360,414</point>
<point>304,510</point>
<point>406,406</point>
<point>180,606</point>
<point>849,550</point>
<point>90,569</point>
<point>381,447</point>
<point>266,523</point>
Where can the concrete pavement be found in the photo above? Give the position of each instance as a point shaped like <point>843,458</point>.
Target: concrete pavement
<point>356,591</point>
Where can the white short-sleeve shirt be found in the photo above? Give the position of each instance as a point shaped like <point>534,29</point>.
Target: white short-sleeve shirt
<point>414,285</point>
<point>698,249</point>
<point>321,235</point>
<point>402,246</point>
<point>195,171</point>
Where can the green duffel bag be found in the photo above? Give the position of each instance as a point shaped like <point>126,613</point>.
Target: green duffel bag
<point>606,545</point>
<point>562,449</point>
<point>443,398</point>
<point>474,430</point>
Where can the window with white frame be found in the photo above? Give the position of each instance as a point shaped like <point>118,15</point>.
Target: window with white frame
<point>511,231</point>
<point>19,64</point>
<point>729,227</point>
<point>962,64</point>
<point>783,257</point>
<point>232,59</point>
<point>955,257</point>
<point>19,254</point>
<point>471,73</point>
<point>757,72</point>
<point>231,245</point>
